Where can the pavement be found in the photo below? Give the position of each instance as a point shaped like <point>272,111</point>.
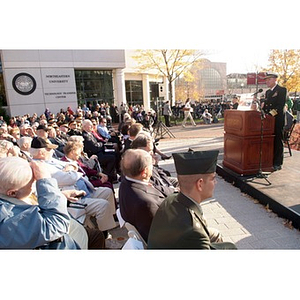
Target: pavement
<point>239,217</point>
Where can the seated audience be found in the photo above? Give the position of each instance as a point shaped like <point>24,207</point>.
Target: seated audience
<point>92,146</point>
<point>98,203</point>
<point>73,152</point>
<point>166,185</point>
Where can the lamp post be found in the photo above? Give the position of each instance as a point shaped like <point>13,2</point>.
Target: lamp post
<point>242,86</point>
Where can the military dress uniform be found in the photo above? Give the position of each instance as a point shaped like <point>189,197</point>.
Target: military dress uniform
<point>274,105</point>
<point>179,222</point>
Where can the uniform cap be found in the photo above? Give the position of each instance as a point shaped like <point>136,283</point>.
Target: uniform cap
<point>196,162</point>
<point>271,75</point>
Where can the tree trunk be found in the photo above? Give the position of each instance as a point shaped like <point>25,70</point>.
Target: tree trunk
<point>170,92</point>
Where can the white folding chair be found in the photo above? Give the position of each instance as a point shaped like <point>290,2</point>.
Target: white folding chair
<point>120,219</point>
<point>133,234</point>
<point>133,243</point>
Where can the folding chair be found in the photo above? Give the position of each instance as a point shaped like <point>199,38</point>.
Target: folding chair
<point>132,234</point>
<point>287,135</point>
<point>120,219</point>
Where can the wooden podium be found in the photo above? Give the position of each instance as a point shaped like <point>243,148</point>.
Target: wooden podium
<point>242,141</point>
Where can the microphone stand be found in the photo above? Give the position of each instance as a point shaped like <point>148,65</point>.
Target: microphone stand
<point>261,174</point>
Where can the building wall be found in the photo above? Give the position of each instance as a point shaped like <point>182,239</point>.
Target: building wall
<point>53,72</point>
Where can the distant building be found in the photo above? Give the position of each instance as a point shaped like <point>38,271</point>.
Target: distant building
<point>241,83</point>
<point>210,82</point>
<point>33,80</point>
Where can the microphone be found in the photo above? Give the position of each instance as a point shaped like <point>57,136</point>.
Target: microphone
<point>257,92</point>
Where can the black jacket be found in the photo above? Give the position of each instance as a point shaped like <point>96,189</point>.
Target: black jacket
<point>138,204</point>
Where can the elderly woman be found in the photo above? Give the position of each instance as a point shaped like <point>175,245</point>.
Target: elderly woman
<point>7,148</point>
<point>73,152</point>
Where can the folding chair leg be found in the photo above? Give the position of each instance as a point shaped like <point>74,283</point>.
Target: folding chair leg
<point>289,148</point>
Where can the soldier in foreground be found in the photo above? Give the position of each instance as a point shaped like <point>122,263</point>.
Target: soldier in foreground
<point>179,221</point>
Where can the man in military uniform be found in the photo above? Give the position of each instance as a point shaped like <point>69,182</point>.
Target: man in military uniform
<point>273,105</point>
<point>179,222</point>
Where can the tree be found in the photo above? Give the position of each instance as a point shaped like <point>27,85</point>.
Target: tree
<point>187,86</point>
<point>169,63</point>
<point>286,63</point>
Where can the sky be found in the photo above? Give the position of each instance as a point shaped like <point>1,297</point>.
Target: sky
<point>235,34</point>
<point>241,60</point>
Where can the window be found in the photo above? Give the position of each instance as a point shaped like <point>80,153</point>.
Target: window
<point>94,86</point>
<point>210,79</point>
<point>134,92</point>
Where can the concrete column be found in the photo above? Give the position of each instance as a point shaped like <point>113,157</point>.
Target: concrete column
<point>119,87</point>
<point>146,92</point>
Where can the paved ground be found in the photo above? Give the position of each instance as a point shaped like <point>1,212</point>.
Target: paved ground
<point>239,218</point>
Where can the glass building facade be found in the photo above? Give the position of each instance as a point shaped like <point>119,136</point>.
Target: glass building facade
<point>210,79</point>
<point>134,92</point>
<point>94,86</point>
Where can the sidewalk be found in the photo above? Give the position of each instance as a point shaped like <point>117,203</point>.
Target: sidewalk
<point>240,218</point>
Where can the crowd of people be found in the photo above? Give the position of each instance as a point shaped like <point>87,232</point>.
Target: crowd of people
<point>58,174</point>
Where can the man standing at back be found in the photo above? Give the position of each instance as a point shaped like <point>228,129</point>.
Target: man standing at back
<point>167,113</point>
<point>179,222</point>
<point>273,105</point>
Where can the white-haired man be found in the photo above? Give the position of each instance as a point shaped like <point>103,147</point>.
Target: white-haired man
<point>92,146</point>
<point>25,224</point>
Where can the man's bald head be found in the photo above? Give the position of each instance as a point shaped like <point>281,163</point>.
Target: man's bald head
<point>134,162</point>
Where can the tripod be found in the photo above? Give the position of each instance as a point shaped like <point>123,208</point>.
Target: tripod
<point>161,129</point>
<point>261,174</point>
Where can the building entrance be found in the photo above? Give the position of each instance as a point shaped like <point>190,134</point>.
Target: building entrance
<point>94,87</point>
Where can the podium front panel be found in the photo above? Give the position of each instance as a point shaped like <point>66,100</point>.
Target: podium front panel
<point>247,123</point>
<point>241,154</point>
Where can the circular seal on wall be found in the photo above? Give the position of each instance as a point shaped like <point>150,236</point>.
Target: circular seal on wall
<point>24,84</point>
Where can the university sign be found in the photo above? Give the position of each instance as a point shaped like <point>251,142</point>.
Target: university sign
<point>59,84</point>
